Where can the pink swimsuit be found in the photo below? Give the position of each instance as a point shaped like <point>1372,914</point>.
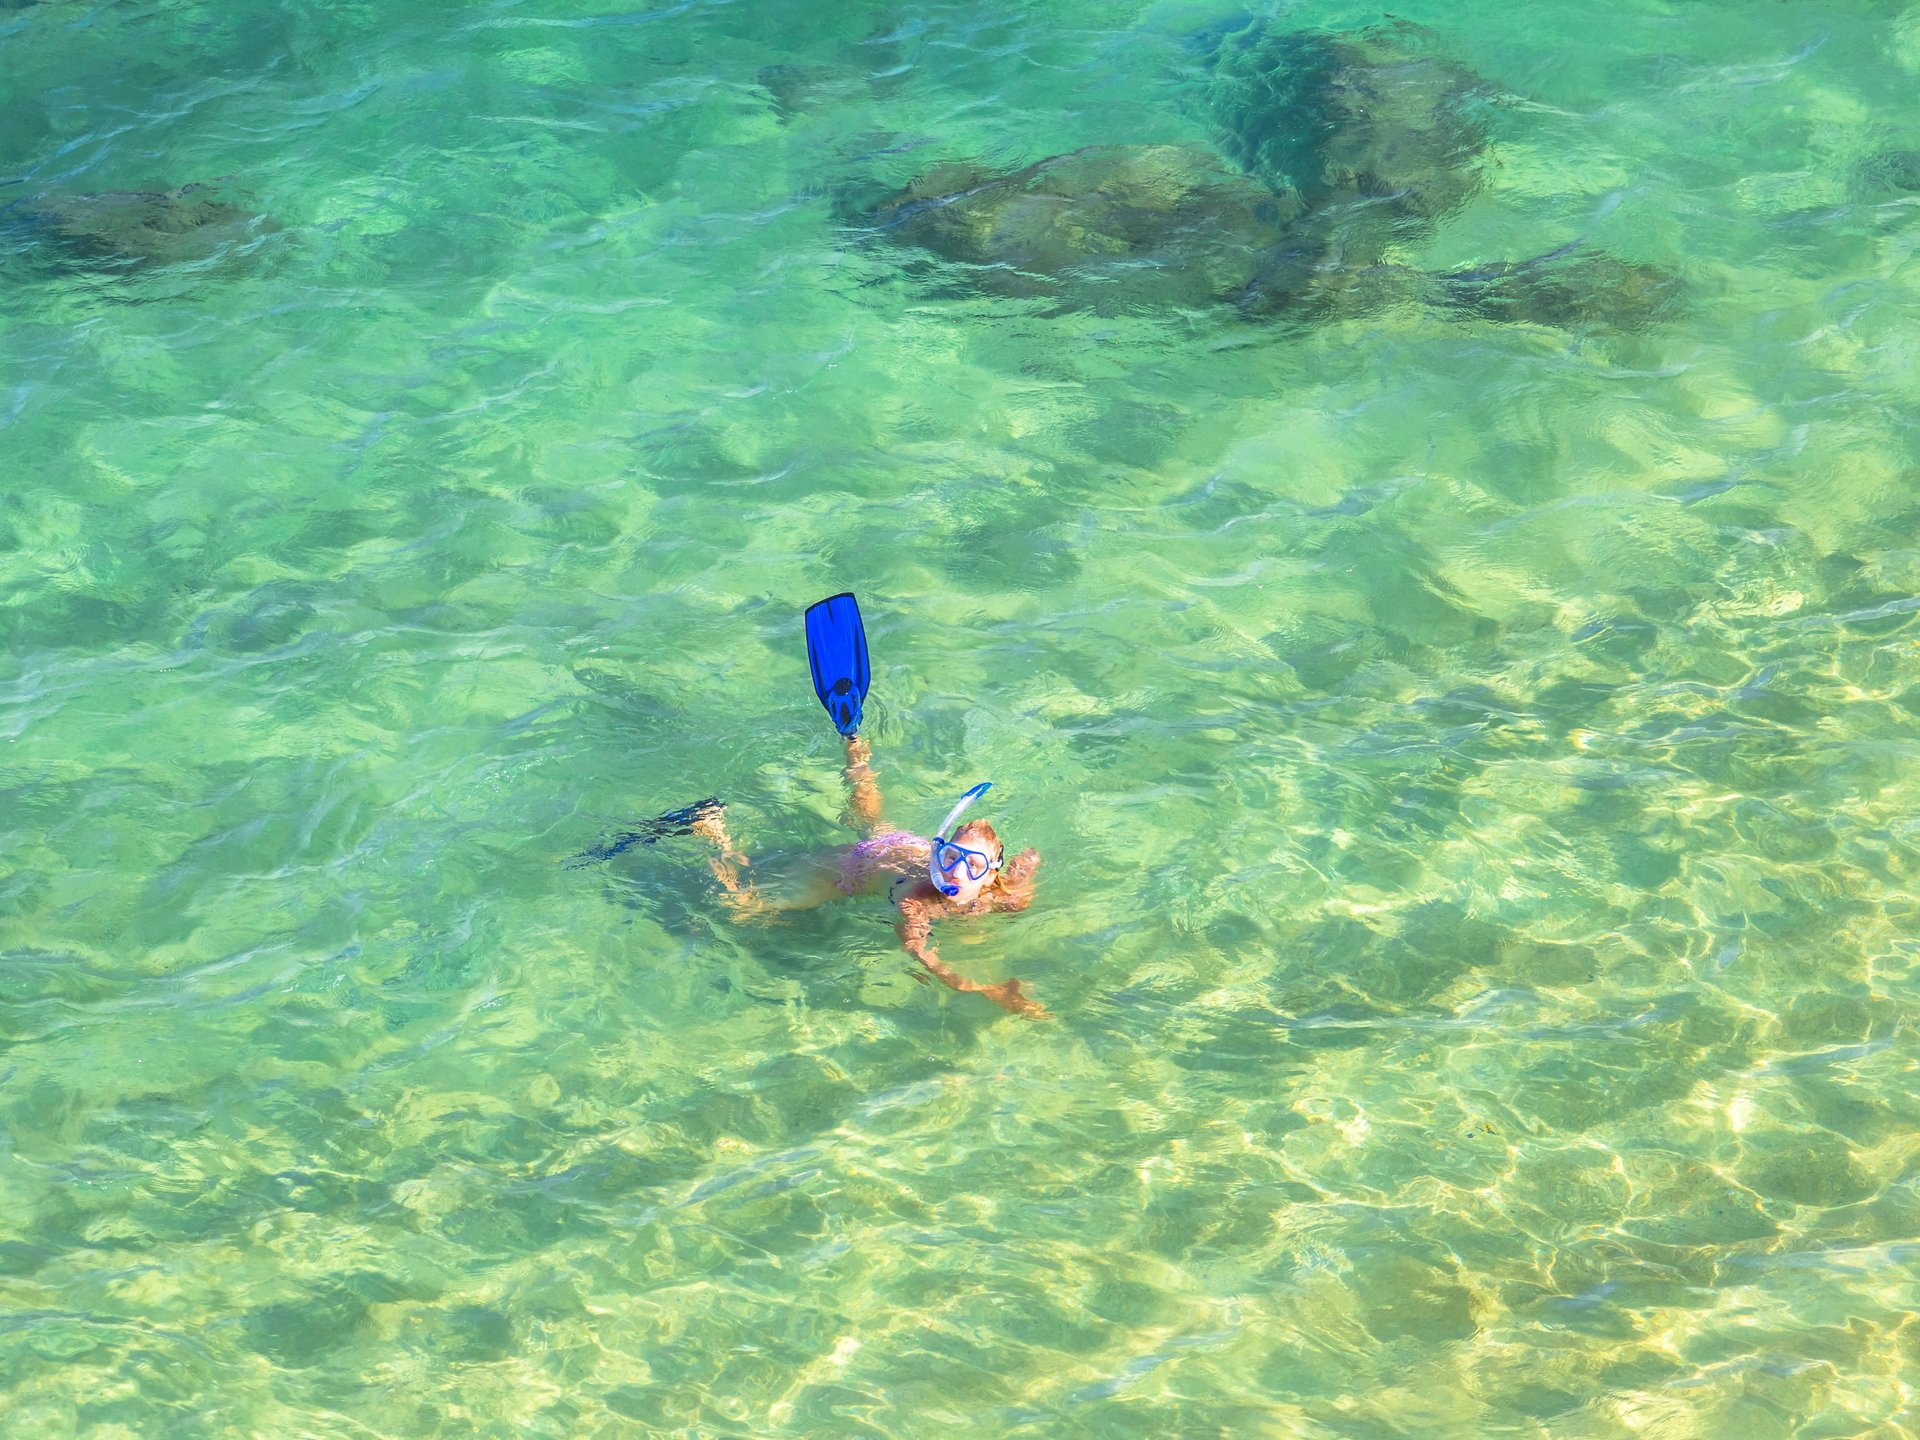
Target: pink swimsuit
<point>897,850</point>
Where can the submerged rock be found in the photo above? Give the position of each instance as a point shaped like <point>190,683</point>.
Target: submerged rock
<point>131,229</point>
<point>1345,151</point>
<point>1130,224</point>
<point>1571,286</point>
<point>1371,116</point>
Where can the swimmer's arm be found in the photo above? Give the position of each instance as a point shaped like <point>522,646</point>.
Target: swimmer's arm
<point>863,801</point>
<point>1016,882</point>
<point>916,932</point>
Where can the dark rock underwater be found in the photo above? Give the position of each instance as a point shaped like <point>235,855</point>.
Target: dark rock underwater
<point>130,230</point>
<point>1337,154</point>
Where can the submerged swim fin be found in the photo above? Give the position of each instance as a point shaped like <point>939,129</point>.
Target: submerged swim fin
<point>674,822</point>
<point>837,653</point>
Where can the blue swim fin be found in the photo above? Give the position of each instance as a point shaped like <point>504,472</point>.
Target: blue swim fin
<point>837,653</point>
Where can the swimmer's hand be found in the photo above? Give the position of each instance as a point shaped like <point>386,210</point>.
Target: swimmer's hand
<point>1007,994</point>
<point>1011,998</point>
<point>1013,890</point>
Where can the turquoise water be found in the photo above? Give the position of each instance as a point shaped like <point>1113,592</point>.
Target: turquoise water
<point>1476,764</point>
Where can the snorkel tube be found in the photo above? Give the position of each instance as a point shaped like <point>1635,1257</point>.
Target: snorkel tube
<point>941,839</point>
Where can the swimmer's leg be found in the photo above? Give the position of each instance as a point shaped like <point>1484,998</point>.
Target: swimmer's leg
<point>863,790</point>
<point>744,898</point>
<point>748,901</point>
<point>711,825</point>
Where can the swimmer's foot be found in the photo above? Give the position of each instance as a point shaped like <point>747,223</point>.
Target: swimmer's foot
<point>688,820</point>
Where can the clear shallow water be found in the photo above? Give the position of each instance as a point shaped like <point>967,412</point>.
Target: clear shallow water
<point>1475,764</point>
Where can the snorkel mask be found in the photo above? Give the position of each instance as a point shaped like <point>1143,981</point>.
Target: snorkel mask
<point>948,858</point>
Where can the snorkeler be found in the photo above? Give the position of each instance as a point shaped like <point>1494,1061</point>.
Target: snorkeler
<point>957,874</point>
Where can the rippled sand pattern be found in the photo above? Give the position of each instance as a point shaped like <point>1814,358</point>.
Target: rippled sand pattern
<point>1477,765</point>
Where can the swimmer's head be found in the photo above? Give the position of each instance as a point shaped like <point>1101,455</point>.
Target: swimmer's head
<point>970,861</point>
<point>960,871</point>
